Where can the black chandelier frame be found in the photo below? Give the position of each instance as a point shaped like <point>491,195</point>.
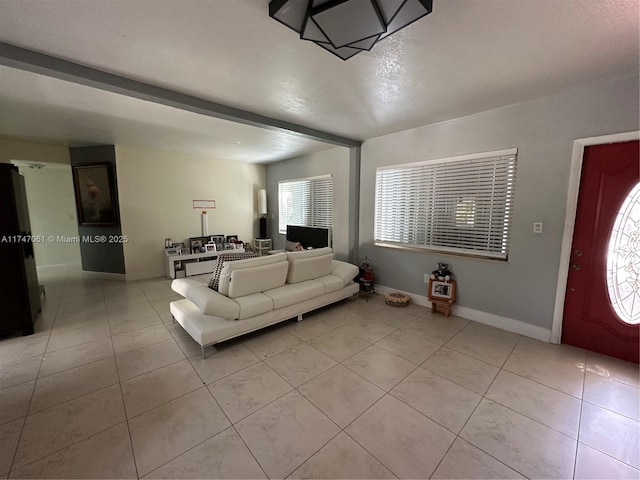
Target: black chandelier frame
<point>347,27</point>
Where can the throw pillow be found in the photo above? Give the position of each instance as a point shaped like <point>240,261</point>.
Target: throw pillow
<point>214,282</point>
<point>292,246</point>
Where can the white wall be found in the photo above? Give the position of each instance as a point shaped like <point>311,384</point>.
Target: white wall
<point>156,190</point>
<point>50,197</point>
<point>543,130</point>
<point>52,213</point>
<point>333,161</point>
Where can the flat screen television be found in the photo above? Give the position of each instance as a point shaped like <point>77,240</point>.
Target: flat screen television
<point>313,237</point>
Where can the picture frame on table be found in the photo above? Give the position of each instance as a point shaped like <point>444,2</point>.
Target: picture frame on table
<point>197,244</point>
<point>218,240</point>
<point>95,194</point>
<point>231,242</point>
<point>210,247</point>
<point>441,290</point>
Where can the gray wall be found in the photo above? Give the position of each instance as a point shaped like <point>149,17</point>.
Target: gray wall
<point>543,130</point>
<point>334,161</point>
<point>100,257</point>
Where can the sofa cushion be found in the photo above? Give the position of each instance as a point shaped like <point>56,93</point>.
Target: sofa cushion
<point>255,304</point>
<point>245,281</point>
<point>208,302</point>
<point>295,293</point>
<point>231,266</point>
<point>302,269</point>
<point>222,259</point>
<point>331,283</point>
<point>345,271</point>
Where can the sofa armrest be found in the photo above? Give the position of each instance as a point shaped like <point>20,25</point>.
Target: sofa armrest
<point>207,300</point>
<point>345,271</point>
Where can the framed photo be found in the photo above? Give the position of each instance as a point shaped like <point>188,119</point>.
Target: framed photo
<point>218,240</point>
<point>200,204</point>
<point>210,247</point>
<point>197,244</point>
<point>441,290</point>
<point>95,196</point>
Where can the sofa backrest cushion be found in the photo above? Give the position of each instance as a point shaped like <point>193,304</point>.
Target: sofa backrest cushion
<point>316,252</point>
<point>247,281</point>
<point>303,269</point>
<point>231,266</point>
<point>214,282</point>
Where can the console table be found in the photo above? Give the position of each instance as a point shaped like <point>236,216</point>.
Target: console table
<point>193,263</point>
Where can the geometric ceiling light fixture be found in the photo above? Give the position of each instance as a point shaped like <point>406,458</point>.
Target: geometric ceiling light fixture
<point>347,27</point>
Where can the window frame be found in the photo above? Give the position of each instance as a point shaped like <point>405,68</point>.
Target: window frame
<point>313,215</point>
<point>430,210</point>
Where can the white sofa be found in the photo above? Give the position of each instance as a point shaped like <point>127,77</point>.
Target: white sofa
<point>262,291</point>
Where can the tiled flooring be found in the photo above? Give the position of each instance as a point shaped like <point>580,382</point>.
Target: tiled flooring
<point>109,387</point>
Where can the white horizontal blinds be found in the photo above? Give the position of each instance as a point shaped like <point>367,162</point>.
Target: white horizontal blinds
<point>321,203</point>
<point>307,202</point>
<point>461,205</point>
<point>291,197</point>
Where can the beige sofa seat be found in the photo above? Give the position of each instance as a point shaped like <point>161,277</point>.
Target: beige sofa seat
<point>295,293</point>
<point>255,304</point>
<point>331,283</point>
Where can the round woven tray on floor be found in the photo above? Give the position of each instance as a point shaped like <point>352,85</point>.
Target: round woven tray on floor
<point>397,299</point>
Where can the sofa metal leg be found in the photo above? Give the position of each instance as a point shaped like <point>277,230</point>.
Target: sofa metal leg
<point>202,351</point>
<point>173,318</point>
<point>300,317</point>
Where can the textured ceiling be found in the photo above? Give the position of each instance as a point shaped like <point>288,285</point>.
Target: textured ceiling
<point>467,56</point>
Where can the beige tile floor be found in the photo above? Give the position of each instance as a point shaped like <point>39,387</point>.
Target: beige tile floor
<point>110,387</point>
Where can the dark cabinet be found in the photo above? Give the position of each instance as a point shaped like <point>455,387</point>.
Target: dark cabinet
<point>19,289</point>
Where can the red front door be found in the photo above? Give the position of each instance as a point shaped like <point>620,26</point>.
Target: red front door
<point>609,173</point>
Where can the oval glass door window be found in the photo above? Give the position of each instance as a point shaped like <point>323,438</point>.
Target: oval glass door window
<point>623,260</point>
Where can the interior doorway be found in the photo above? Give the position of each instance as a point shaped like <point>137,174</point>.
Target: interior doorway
<point>52,213</point>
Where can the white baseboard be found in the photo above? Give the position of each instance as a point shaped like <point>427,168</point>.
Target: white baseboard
<point>417,299</point>
<point>504,323</point>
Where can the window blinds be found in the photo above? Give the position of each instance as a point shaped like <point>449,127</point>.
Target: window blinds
<point>307,202</point>
<point>460,205</point>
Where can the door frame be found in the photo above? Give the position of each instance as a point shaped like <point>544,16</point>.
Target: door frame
<point>570,220</point>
